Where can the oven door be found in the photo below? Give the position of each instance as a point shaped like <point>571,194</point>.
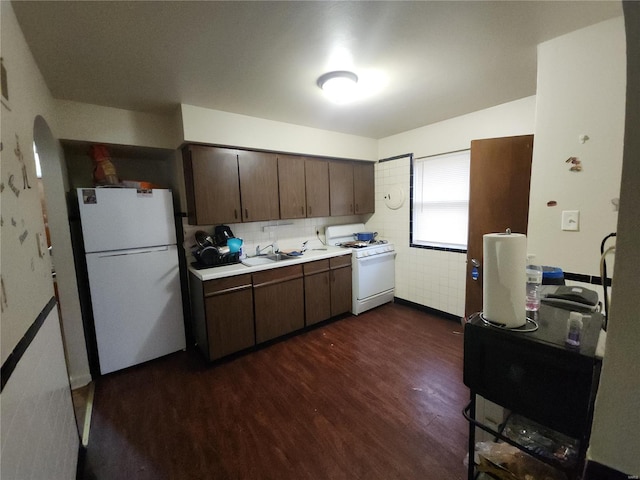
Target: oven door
<point>374,274</point>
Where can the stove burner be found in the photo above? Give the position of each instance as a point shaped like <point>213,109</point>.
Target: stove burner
<point>361,243</point>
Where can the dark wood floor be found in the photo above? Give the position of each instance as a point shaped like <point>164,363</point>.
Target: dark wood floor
<point>377,396</point>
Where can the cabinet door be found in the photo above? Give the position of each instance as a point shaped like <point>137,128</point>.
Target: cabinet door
<point>211,181</point>
<point>291,186</point>
<point>279,302</point>
<point>229,315</point>
<point>317,292</point>
<point>341,188</point>
<point>340,285</point>
<point>316,174</point>
<point>258,186</point>
<point>363,188</point>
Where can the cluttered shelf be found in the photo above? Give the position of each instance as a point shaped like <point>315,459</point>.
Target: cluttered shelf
<point>548,386</point>
<point>523,449</point>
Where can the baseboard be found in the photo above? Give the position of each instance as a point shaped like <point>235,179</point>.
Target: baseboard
<point>597,471</point>
<point>424,308</point>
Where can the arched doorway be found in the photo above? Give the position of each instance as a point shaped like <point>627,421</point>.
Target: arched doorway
<point>53,186</point>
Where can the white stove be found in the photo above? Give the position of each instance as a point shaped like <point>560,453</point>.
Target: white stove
<point>372,267</point>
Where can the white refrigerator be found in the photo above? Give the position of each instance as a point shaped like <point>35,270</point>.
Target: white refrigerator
<point>134,279</point>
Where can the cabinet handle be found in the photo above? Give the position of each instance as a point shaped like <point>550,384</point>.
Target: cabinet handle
<point>351,207</point>
<point>302,210</point>
<point>246,213</point>
<point>309,210</point>
<point>239,288</point>
<point>357,208</point>
<point>289,278</point>
<point>235,213</point>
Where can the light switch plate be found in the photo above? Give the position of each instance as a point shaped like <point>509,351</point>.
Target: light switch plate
<point>42,244</point>
<point>571,220</point>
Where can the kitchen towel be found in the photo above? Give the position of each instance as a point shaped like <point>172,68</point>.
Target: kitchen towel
<point>504,280</point>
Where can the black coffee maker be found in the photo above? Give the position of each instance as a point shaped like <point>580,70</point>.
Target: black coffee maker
<point>221,234</point>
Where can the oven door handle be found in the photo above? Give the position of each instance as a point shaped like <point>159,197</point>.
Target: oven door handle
<point>378,256</point>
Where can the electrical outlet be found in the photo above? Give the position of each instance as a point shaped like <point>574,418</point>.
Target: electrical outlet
<point>571,220</point>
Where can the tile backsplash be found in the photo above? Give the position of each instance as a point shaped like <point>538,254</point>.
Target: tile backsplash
<point>287,234</point>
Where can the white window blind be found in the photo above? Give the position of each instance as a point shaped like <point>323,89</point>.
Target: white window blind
<point>441,200</point>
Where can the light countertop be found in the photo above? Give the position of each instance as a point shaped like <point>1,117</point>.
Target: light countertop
<point>239,268</point>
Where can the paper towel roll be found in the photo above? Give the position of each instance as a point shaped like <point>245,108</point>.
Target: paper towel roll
<point>504,280</point>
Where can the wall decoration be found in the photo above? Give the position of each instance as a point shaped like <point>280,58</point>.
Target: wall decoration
<point>575,164</point>
<point>3,297</point>
<point>4,85</point>
<point>13,188</point>
<point>20,156</point>
<point>394,197</point>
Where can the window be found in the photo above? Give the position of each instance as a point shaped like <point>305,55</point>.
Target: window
<point>440,203</point>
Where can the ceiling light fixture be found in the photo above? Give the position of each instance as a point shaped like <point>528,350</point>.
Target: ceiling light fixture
<point>339,85</point>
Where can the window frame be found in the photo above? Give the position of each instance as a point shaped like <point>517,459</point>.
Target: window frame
<point>412,244</point>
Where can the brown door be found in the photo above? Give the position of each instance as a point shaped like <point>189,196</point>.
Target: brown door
<point>500,175</point>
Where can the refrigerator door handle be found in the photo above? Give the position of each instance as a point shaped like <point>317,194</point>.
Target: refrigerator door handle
<point>137,251</point>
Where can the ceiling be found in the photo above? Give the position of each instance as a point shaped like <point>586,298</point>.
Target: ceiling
<point>439,59</point>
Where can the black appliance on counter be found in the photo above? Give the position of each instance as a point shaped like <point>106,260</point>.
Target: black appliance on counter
<point>213,251</point>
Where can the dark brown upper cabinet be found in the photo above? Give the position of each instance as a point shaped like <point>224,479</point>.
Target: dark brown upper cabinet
<point>227,185</point>
<point>291,183</point>
<point>316,175</point>
<point>363,188</point>
<point>341,188</point>
<point>351,185</point>
<point>258,186</point>
<point>212,185</point>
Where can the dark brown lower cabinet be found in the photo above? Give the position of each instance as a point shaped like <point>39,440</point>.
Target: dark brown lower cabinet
<point>340,276</point>
<point>278,295</point>
<point>327,288</point>
<point>317,291</point>
<point>235,313</point>
<point>224,316</point>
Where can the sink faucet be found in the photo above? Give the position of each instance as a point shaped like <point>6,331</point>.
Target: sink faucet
<point>259,250</point>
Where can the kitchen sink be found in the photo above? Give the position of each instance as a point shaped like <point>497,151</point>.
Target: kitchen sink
<point>266,259</point>
<point>255,261</point>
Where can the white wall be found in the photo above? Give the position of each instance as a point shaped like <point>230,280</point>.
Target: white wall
<point>581,91</point>
<point>230,129</point>
<point>39,436</point>
<point>25,275</point>
<point>93,123</point>
<point>38,428</point>
<point>615,441</point>
<point>54,181</point>
<point>429,277</point>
